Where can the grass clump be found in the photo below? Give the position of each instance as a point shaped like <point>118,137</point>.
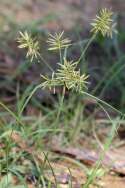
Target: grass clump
<point>67,75</point>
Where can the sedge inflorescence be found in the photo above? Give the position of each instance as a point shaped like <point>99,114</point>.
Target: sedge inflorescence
<point>68,74</point>
<point>57,41</point>
<point>25,40</point>
<point>104,23</point>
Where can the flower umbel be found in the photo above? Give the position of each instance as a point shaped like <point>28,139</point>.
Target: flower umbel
<point>104,23</point>
<point>67,76</point>
<point>26,41</point>
<point>57,42</point>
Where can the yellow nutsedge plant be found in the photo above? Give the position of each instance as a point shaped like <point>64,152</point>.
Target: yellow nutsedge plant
<point>68,75</point>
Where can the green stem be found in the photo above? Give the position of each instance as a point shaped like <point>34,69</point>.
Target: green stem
<point>105,149</point>
<point>111,70</point>
<point>30,96</point>
<point>46,63</point>
<point>11,113</point>
<point>7,162</point>
<point>102,102</point>
<point>111,79</point>
<point>86,47</point>
<point>60,106</point>
<point>60,54</point>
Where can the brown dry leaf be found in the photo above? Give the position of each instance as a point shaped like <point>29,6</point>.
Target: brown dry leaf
<point>110,181</point>
<point>114,159</point>
<point>117,156</point>
<point>89,157</point>
<point>76,174</point>
<point>61,170</point>
<point>79,178</point>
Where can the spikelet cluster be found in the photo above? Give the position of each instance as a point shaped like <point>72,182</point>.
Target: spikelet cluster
<point>57,41</point>
<point>26,41</point>
<point>104,24</point>
<point>67,76</point>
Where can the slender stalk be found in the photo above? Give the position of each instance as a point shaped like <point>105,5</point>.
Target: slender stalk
<point>75,131</point>
<point>46,63</point>
<point>60,54</point>
<point>11,113</point>
<point>46,158</point>
<point>28,99</point>
<point>7,152</point>
<point>102,102</point>
<point>111,79</point>
<point>7,162</point>
<point>106,148</point>
<point>86,47</point>
<point>111,70</point>
<point>60,106</point>
<point>108,140</point>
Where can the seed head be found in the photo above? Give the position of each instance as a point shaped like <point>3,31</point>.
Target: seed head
<point>57,42</point>
<point>26,41</point>
<point>104,23</point>
<point>67,76</point>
